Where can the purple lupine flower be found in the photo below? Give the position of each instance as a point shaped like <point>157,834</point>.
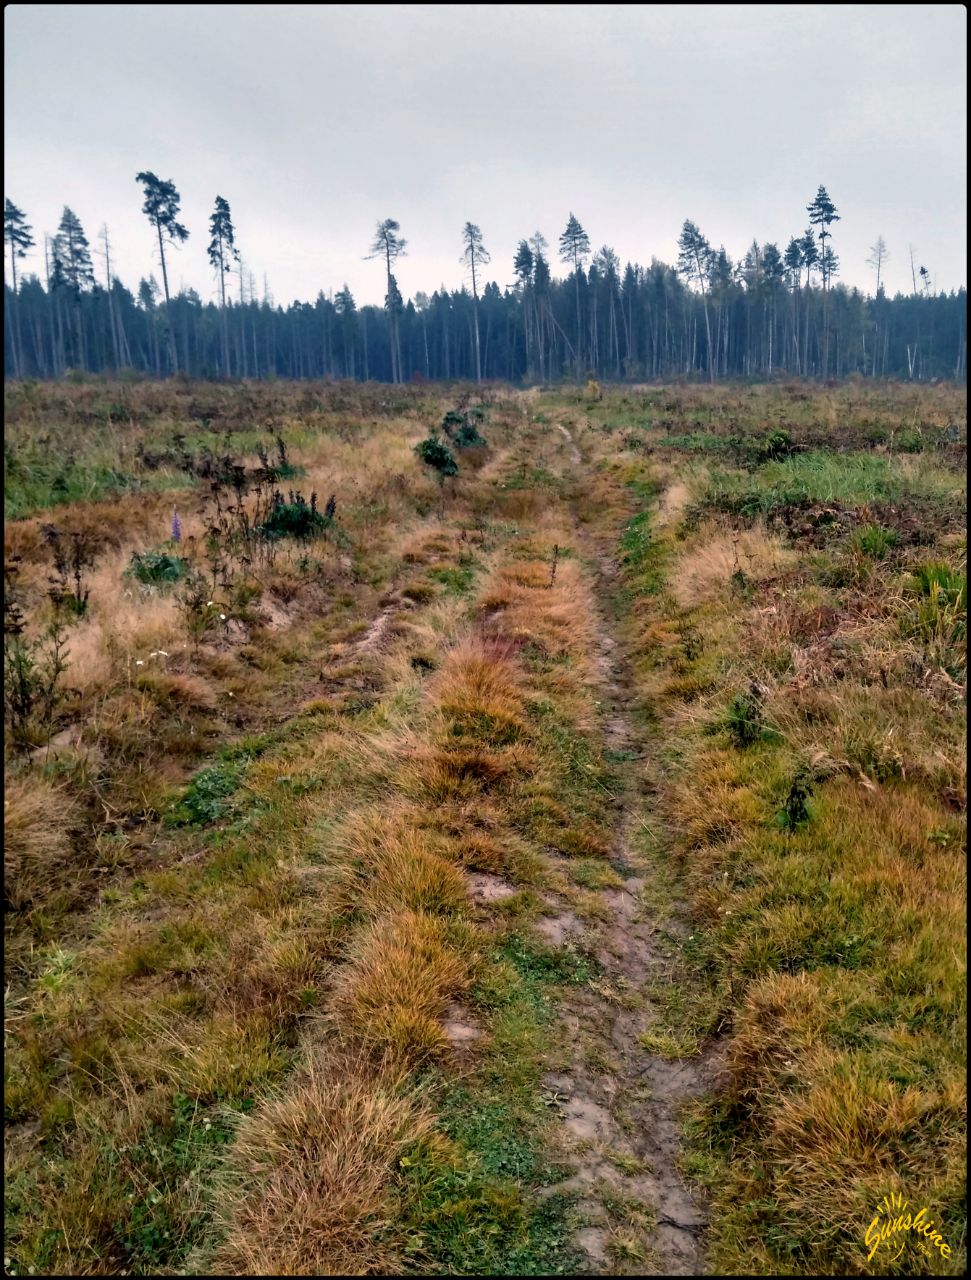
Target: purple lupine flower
<point>176,527</point>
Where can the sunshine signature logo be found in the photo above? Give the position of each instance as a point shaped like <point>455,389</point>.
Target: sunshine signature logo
<point>894,1228</point>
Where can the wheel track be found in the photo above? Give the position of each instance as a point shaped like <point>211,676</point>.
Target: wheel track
<point>619,1103</point>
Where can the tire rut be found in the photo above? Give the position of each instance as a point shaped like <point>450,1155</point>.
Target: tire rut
<point>618,1103</point>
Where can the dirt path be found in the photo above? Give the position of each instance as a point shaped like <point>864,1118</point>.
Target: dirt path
<point>575,457</point>
<point>619,1103</point>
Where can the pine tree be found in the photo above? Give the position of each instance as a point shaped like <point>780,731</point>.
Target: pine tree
<point>695,263</point>
<point>393,306</point>
<point>810,254</point>
<point>575,247</point>
<point>608,266</point>
<point>161,207</point>
<point>822,214</point>
<point>474,252</point>
<point>222,252</point>
<point>17,234</point>
<point>388,244</point>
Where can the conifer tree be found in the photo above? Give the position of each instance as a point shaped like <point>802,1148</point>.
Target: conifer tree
<point>523,269</point>
<point>222,252</point>
<point>695,262</point>
<point>18,235</point>
<point>474,252</point>
<point>161,207</point>
<point>346,309</point>
<point>575,248</point>
<point>388,244</point>
<point>72,270</point>
<point>822,214</point>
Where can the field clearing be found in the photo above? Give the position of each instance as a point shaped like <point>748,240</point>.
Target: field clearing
<point>552,868</point>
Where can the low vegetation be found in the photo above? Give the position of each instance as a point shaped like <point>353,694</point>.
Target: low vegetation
<point>289,784</point>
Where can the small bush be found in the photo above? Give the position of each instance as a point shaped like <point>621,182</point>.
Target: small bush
<point>795,812</point>
<point>208,795</point>
<point>294,517</point>
<point>437,455</point>
<point>157,568</point>
<point>743,719</point>
<point>32,670</point>
<point>468,437</point>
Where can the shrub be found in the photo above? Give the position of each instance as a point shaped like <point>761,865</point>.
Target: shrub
<point>294,517</point>
<point>437,455</point>
<point>468,436</point>
<point>32,670</point>
<point>72,554</point>
<point>743,719</point>
<point>157,568</point>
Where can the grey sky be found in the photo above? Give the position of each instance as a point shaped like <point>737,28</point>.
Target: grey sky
<point>316,121</point>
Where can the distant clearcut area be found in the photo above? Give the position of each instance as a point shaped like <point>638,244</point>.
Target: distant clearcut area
<point>460,830</point>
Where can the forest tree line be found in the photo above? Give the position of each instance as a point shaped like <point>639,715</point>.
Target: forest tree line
<point>773,311</point>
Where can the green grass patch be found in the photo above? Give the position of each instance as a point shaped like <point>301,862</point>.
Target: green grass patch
<point>34,486</point>
<point>472,1190</point>
<point>849,480</point>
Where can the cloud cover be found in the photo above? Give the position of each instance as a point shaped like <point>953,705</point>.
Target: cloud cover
<point>316,121</point>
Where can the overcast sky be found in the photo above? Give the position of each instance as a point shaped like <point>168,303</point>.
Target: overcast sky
<point>316,121</point>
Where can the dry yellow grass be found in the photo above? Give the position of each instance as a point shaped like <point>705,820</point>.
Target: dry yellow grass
<point>404,969</point>
<point>37,847</point>
<point>311,1192</point>
<point>706,568</point>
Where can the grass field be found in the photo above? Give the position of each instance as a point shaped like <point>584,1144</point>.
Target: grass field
<point>373,833</point>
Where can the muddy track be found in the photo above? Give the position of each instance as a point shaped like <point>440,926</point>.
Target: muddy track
<point>619,1103</point>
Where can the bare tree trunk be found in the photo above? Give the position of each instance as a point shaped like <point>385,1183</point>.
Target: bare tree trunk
<point>168,307</point>
<point>243,368</point>
<point>115,343</point>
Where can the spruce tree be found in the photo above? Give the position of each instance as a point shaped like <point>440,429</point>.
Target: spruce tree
<point>73,270</point>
